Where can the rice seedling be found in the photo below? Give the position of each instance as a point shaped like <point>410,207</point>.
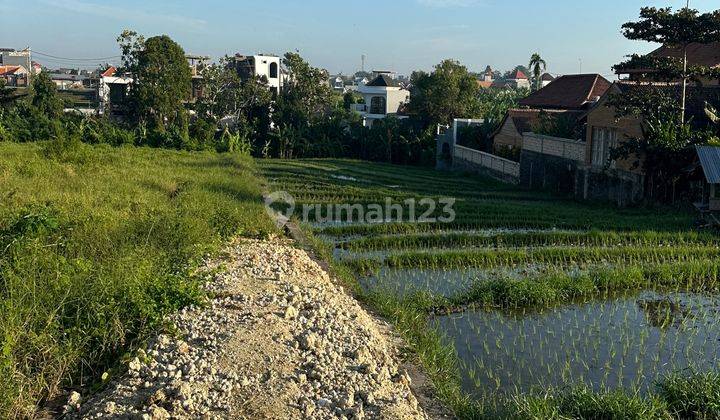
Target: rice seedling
<point>528,305</point>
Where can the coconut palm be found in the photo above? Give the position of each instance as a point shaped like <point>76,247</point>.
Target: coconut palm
<point>537,66</point>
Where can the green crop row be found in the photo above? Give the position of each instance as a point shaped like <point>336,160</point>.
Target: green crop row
<point>530,239</point>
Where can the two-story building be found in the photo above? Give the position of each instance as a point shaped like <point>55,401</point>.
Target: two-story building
<point>383,96</point>
<point>266,67</point>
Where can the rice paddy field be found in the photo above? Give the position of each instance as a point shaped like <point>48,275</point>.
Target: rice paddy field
<point>526,305</point>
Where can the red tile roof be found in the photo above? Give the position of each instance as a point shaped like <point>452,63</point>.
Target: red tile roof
<point>485,83</point>
<point>109,72</point>
<point>8,70</point>
<point>571,92</point>
<point>517,74</point>
<point>698,54</point>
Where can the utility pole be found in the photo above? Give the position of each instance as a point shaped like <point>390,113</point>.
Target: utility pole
<point>362,57</point>
<point>685,78</point>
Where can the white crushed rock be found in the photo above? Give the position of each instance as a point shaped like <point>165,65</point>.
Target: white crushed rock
<point>280,340</point>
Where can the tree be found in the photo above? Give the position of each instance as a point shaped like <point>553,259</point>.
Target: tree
<point>44,96</point>
<point>225,94</point>
<point>450,91</point>
<point>679,30</point>
<point>537,66</point>
<point>666,147</point>
<point>305,98</point>
<point>161,83</point>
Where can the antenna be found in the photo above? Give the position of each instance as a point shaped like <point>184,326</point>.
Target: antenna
<point>580,59</point>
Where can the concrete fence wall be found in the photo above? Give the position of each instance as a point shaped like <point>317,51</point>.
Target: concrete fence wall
<point>548,163</point>
<point>475,160</point>
<point>555,146</point>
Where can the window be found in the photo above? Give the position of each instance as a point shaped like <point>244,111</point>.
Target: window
<point>603,141</point>
<point>273,70</point>
<point>377,105</point>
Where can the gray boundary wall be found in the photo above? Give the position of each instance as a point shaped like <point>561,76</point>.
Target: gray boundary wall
<point>549,163</point>
<point>471,160</point>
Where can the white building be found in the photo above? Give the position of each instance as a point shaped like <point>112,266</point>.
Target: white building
<point>383,96</point>
<point>112,91</point>
<point>267,67</point>
<point>546,79</point>
<point>518,80</point>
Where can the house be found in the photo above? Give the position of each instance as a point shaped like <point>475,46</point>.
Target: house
<point>14,76</point>
<point>487,78</point>
<point>197,64</point>
<point>546,79</point>
<point>575,92</point>
<point>68,81</point>
<point>383,96</point>
<point>337,83</point>
<point>568,96</point>
<point>361,81</point>
<point>707,55</point>
<point>12,57</point>
<point>266,67</point>
<point>605,129</point>
<point>710,163</point>
<point>113,91</point>
<point>517,80</point>
<point>509,135</point>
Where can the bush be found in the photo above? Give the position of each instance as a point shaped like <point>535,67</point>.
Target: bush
<point>203,133</point>
<point>693,397</point>
<point>66,147</point>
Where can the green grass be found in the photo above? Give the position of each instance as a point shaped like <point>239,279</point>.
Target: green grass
<point>97,245</point>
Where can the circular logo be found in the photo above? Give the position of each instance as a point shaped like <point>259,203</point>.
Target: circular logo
<point>280,206</point>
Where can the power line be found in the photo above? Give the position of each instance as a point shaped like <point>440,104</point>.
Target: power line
<point>75,59</point>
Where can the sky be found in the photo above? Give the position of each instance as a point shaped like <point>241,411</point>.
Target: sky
<point>399,35</point>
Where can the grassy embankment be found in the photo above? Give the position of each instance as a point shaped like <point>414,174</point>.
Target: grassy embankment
<point>97,245</point>
<point>610,249</point>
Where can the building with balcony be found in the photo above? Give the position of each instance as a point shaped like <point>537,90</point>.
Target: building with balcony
<point>383,96</point>
<point>266,67</point>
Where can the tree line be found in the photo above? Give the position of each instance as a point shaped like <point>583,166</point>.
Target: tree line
<point>306,118</point>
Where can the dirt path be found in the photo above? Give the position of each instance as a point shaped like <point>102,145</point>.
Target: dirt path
<point>280,341</point>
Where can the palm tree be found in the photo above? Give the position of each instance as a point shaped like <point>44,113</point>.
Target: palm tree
<point>537,66</point>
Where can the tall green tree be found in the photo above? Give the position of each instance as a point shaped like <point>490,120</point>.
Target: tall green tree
<point>675,29</point>
<point>305,98</point>
<point>44,97</point>
<point>162,80</point>
<point>537,66</point>
<point>450,91</point>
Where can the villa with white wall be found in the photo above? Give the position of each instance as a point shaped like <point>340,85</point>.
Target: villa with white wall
<point>267,67</point>
<point>383,96</point>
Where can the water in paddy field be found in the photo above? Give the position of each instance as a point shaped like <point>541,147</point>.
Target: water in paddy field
<point>442,282</point>
<point>401,282</point>
<point>629,342</point>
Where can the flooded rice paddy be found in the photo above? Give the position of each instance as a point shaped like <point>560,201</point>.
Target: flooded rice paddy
<point>628,341</point>
<point>530,331</point>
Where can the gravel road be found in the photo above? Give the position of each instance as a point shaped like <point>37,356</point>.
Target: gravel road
<point>280,340</point>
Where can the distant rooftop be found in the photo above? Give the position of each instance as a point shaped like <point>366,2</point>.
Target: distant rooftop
<point>518,75</point>
<point>568,92</point>
<point>382,80</point>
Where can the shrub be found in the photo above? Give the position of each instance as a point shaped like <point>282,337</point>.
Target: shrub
<point>692,397</point>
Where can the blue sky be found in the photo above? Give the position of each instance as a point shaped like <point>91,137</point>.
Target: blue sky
<point>401,35</point>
